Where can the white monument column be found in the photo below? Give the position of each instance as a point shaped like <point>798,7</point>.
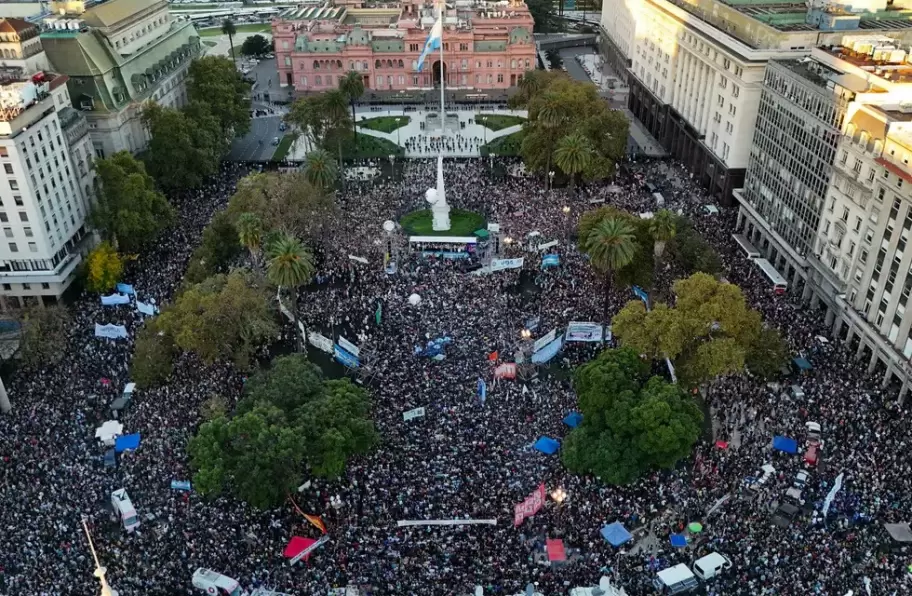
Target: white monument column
<point>437,198</point>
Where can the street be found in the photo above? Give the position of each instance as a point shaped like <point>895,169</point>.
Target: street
<point>257,145</point>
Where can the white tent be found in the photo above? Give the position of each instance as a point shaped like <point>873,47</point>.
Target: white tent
<point>414,299</point>
<point>107,432</point>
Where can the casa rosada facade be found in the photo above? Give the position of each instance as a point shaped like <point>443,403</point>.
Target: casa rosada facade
<point>486,45</point>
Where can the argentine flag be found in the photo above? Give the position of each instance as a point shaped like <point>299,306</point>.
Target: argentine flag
<point>433,41</point>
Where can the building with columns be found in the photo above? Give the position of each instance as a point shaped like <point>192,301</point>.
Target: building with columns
<point>487,45</point>
<point>695,67</point>
<point>823,196</point>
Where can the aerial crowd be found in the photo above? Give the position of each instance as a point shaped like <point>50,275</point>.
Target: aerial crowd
<point>465,458</point>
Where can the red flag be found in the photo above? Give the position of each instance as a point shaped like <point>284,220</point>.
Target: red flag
<point>316,522</point>
<point>493,356</point>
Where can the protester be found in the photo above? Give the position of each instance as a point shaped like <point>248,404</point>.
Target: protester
<point>465,458</point>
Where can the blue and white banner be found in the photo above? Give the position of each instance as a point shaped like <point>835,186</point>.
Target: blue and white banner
<point>146,308</point>
<point>482,390</point>
<point>110,331</point>
<point>550,261</point>
<point>125,289</point>
<point>584,331</point>
<point>547,245</point>
<point>319,341</point>
<point>115,299</point>
<point>349,347</point>
<point>837,486</point>
<point>641,294</point>
<point>544,340</point>
<point>548,352</point>
<point>501,264</point>
<point>433,41</point>
<point>183,485</point>
<point>346,358</point>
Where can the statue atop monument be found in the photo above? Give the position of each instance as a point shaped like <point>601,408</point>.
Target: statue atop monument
<point>440,210</point>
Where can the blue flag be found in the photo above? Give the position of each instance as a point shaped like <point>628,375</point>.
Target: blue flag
<point>482,390</point>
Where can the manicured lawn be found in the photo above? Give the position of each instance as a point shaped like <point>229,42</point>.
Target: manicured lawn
<point>506,146</point>
<point>283,148</point>
<point>498,121</point>
<point>369,146</point>
<point>385,123</point>
<point>248,28</point>
<point>462,223</point>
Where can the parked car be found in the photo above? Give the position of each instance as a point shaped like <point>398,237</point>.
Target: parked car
<point>812,455</point>
<point>813,433</point>
<point>275,141</point>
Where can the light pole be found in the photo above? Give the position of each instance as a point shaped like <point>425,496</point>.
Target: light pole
<point>5,406</point>
<point>566,210</point>
<point>99,570</point>
<point>550,179</point>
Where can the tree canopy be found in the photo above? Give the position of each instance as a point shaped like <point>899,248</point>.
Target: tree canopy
<point>710,330</point>
<point>103,268</point>
<point>690,250</point>
<point>224,316</point>
<point>218,250</point>
<point>216,82</point>
<point>255,45</point>
<point>631,423</point>
<point>153,358</point>
<point>130,211</point>
<point>639,270</point>
<point>185,146</point>
<point>289,418</point>
<point>44,335</point>
<point>560,107</point>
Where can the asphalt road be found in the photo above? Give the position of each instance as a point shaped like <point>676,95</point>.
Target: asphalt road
<point>257,144</point>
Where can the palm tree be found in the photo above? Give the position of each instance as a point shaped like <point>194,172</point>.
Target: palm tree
<point>320,168</point>
<point>610,245</point>
<point>551,115</point>
<point>663,228</point>
<point>531,84</point>
<point>291,266</point>
<point>250,233</point>
<point>335,111</point>
<point>352,85</point>
<point>573,155</point>
<point>229,29</point>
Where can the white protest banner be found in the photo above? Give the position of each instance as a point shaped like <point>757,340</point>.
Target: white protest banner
<point>412,414</point>
<point>584,331</point>
<point>349,347</point>
<point>110,331</point>
<point>309,549</point>
<point>405,523</point>
<point>321,342</point>
<point>547,245</point>
<point>361,260</point>
<point>832,494</point>
<point>501,264</point>
<point>544,340</point>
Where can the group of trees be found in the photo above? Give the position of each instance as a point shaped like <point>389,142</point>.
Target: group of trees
<point>709,331</point>
<point>289,418</point>
<point>256,45</point>
<point>631,423</point>
<point>569,128</point>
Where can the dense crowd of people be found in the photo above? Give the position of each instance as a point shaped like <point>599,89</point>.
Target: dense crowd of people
<point>466,458</point>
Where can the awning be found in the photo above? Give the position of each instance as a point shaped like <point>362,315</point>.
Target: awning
<point>785,444</point>
<point>547,445</point>
<point>678,540</point>
<point>556,551</point>
<point>573,419</point>
<point>481,233</point>
<point>126,443</point>
<point>616,534</point>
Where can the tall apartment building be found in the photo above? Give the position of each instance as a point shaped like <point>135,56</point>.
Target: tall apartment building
<point>46,156</point>
<point>696,67</point>
<point>817,198</point>
<point>118,55</point>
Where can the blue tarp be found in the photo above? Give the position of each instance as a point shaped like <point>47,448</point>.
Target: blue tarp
<point>802,363</point>
<point>110,459</point>
<point>678,540</point>
<point>785,444</point>
<point>547,445</point>
<point>126,443</point>
<point>616,534</point>
<point>183,485</point>
<point>573,419</point>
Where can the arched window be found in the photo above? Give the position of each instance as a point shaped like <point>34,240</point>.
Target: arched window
<point>401,64</point>
<point>318,80</point>
<point>376,64</point>
<point>351,65</point>
<point>513,63</point>
<point>316,65</point>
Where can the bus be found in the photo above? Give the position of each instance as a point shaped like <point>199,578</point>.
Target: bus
<point>779,283</point>
<point>746,246</point>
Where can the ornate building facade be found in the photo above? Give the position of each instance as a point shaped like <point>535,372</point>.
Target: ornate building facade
<point>487,45</point>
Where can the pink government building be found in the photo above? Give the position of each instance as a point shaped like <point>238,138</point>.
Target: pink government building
<point>487,45</point>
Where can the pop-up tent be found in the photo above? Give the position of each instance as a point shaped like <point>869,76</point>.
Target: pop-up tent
<point>547,445</point>
<point>107,432</point>
<point>785,444</point>
<point>555,549</point>
<point>678,540</point>
<point>126,443</point>
<point>616,534</point>
<point>573,419</point>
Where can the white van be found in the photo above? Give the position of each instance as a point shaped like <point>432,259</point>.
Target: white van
<point>123,509</point>
<point>711,565</point>
<point>675,580</point>
<point>215,583</point>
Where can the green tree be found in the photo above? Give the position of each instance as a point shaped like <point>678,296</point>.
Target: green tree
<point>691,252</point>
<point>320,169</point>
<point>255,45</point>
<point>219,249</point>
<point>611,246</point>
<point>225,316</point>
<point>352,85</point>
<point>542,12</point>
<point>250,233</point>
<point>708,332</point>
<point>43,339</point>
<point>641,269</point>
<point>767,354</point>
<point>103,268</point>
<point>289,382</point>
<point>216,82</point>
<point>181,152</point>
<point>230,30</point>
<point>153,358</point>
<point>663,227</point>
<point>631,423</point>
<point>129,211</point>
<point>573,155</point>
<point>290,266</point>
<point>285,203</point>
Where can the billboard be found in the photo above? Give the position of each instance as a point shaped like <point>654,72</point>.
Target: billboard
<point>321,342</point>
<point>544,340</point>
<point>349,347</point>
<point>346,358</point>
<point>584,331</point>
<point>501,264</point>
<point>548,352</point>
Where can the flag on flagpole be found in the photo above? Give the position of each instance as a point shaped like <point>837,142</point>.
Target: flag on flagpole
<point>482,390</point>
<point>316,522</point>
<point>433,41</point>
<point>379,314</point>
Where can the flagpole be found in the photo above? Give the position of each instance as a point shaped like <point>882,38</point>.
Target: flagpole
<point>442,73</point>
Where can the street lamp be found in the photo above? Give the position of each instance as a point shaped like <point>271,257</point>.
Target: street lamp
<point>566,210</point>
<point>508,241</point>
<point>99,570</point>
<point>559,495</point>
<point>550,180</point>
<point>525,334</point>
